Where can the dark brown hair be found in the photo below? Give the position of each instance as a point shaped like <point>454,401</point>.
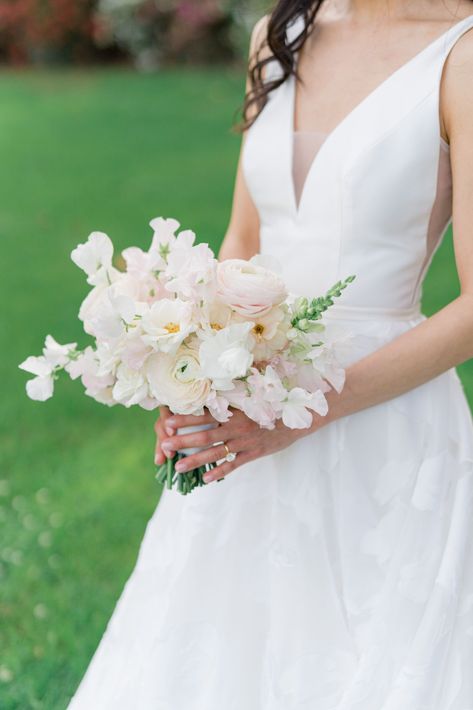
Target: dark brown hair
<point>284,13</point>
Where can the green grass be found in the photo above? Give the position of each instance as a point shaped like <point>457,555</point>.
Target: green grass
<point>84,151</point>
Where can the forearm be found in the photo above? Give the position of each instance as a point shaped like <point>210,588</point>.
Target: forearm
<point>433,346</point>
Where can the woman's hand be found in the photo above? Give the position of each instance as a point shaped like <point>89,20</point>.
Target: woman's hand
<point>243,437</point>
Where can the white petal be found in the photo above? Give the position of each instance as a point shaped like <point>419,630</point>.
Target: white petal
<point>37,366</point>
<point>97,252</point>
<point>296,416</point>
<point>40,388</point>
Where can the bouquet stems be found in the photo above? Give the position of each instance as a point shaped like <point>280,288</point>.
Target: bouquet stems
<point>186,482</point>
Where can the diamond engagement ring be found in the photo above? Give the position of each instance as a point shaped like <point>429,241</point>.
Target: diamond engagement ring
<point>230,455</point>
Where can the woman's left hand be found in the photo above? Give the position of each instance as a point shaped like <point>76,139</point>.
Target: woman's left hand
<point>242,436</point>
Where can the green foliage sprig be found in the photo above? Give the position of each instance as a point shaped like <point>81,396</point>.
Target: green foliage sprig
<point>307,312</point>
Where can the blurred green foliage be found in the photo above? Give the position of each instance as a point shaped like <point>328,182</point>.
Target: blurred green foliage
<point>85,151</point>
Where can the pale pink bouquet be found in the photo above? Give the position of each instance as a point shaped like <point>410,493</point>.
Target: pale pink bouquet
<point>178,328</point>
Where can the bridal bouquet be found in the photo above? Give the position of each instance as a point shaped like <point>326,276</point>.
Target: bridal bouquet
<point>176,327</point>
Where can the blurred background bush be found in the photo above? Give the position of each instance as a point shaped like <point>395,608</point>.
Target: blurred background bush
<point>149,33</point>
<point>112,113</point>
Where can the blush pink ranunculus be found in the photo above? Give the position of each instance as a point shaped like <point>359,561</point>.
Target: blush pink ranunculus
<point>249,288</point>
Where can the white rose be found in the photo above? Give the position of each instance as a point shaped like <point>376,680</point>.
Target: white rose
<point>249,288</point>
<point>177,381</point>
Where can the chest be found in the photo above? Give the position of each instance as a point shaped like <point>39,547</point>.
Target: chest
<point>339,68</point>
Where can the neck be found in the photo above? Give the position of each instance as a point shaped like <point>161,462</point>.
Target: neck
<point>378,10</point>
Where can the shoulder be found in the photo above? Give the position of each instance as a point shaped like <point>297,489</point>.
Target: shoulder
<point>258,40</point>
<point>457,84</point>
<point>259,31</point>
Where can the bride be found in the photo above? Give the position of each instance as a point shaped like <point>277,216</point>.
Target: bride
<point>333,567</point>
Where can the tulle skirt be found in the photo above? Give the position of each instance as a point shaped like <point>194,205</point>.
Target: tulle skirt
<point>336,574</point>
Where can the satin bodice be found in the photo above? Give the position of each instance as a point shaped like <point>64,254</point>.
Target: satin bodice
<point>372,198</point>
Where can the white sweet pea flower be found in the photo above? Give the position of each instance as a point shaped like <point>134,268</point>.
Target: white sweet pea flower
<point>225,355</point>
<point>109,311</point>
<point>95,258</point>
<point>295,409</point>
<point>218,405</point>
<point>57,355</point>
<point>177,380</point>
<point>40,387</point>
<point>145,268</point>
<point>190,271</point>
<point>164,235</point>
<point>54,357</point>
<point>166,324</point>
<point>97,386</point>
<point>130,387</point>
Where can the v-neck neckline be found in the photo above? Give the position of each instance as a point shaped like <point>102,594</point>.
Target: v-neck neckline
<point>331,135</point>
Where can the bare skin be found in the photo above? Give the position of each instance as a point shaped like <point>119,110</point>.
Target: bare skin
<point>382,35</point>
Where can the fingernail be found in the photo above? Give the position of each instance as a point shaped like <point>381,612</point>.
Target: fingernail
<point>169,430</point>
<point>156,459</point>
<point>208,477</point>
<point>180,467</point>
<point>171,422</point>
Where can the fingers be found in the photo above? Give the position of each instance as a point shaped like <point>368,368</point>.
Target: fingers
<point>161,434</point>
<point>195,439</point>
<point>176,421</point>
<point>227,467</point>
<point>213,454</point>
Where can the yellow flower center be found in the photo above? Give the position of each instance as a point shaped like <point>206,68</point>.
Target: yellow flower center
<point>172,327</point>
<point>258,329</point>
<point>216,326</point>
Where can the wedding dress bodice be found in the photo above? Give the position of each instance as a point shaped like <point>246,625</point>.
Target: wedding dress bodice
<point>371,198</point>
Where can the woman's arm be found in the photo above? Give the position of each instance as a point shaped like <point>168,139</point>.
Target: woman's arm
<point>241,239</point>
<point>445,339</point>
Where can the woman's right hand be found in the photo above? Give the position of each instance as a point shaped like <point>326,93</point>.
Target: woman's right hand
<point>162,431</point>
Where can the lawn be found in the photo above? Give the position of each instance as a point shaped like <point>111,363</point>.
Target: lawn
<point>85,151</point>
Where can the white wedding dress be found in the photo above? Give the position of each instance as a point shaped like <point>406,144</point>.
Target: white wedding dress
<point>338,573</point>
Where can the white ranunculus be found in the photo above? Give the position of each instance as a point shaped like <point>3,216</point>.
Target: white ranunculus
<point>95,258</point>
<point>249,288</point>
<point>226,355</point>
<point>177,381</point>
<point>166,324</point>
